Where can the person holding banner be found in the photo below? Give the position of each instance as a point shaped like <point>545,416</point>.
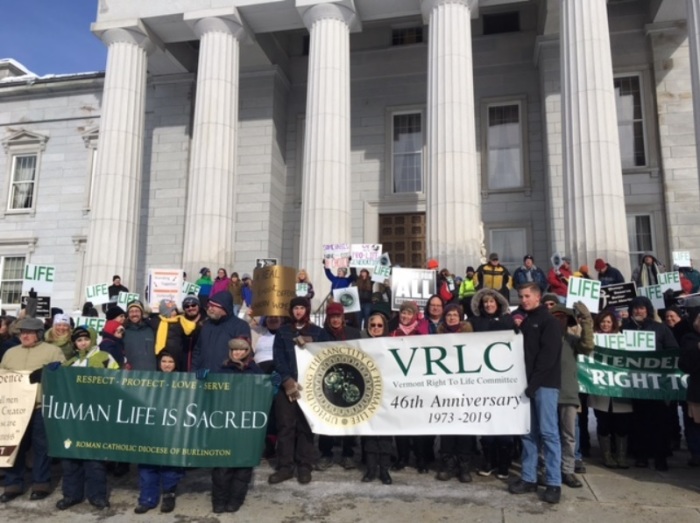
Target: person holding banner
<point>434,317</point>
<point>295,441</point>
<point>172,330</point>
<point>113,341</point>
<point>31,355</point>
<point>378,449</point>
<point>139,339</point>
<point>154,479</point>
<point>613,415</point>
<point>60,335</point>
<point>651,428</point>
<point>342,280</point>
<point>543,345</point>
<point>81,477</point>
<point>230,485</point>
<point>335,330</point>
<point>411,325</point>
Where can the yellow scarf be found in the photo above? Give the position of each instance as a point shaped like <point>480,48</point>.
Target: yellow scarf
<point>162,335</point>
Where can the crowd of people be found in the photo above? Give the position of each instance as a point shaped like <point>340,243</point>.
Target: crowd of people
<point>204,334</point>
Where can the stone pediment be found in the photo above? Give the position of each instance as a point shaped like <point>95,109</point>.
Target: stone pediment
<point>24,138</point>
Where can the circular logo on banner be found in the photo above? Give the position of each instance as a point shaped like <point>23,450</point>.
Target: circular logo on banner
<point>343,386</point>
<point>347,300</point>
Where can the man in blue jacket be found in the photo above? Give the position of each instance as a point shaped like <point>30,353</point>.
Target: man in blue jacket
<point>211,350</point>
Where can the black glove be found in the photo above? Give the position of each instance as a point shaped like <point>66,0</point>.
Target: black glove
<point>35,376</point>
<point>32,293</point>
<point>202,374</point>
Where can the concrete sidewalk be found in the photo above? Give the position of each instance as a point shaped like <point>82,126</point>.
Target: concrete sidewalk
<point>337,495</point>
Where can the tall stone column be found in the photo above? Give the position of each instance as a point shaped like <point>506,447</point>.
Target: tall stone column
<point>453,207</point>
<point>113,234</point>
<point>325,187</point>
<point>209,221</point>
<point>594,201</point>
<point>693,17</point>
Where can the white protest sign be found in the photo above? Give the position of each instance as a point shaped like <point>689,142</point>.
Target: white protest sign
<point>348,297</point>
<point>610,341</point>
<point>124,298</point>
<point>381,273</point>
<point>584,290</point>
<point>17,400</point>
<point>302,289</point>
<point>97,294</point>
<point>655,294</point>
<point>336,255</point>
<point>38,277</point>
<point>190,288</point>
<point>416,285</point>
<point>164,284</point>
<point>365,255</point>
<point>640,340</point>
<point>94,323</point>
<point>435,384</point>
<point>670,280</point>
<point>681,258</point>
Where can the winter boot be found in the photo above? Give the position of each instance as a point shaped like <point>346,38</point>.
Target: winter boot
<point>384,462</point>
<point>168,503</point>
<point>448,466</point>
<point>372,466</point>
<point>608,459</point>
<point>621,456</point>
<point>463,474</point>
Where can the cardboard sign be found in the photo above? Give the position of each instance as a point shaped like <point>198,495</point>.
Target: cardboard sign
<point>349,298</point>
<point>655,294</point>
<point>670,280</point>
<point>640,340</point>
<point>190,288</point>
<point>43,305</point>
<point>124,298</point>
<point>336,255</point>
<point>38,277</point>
<point>618,295</point>
<point>164,284</point>
<point>583,290</point>
<point>97,294</point>
<point>273,289</point>
<point>302,289</point>
<point>365,255</point>
<point>265,262</point>
<point>411,285</point>
<point>681,258</point>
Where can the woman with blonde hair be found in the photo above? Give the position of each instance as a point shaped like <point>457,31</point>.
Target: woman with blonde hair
<point>304,287</point>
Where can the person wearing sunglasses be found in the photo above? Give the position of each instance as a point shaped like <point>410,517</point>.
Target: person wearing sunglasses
<point>193,311</point>
<point>378,449</point>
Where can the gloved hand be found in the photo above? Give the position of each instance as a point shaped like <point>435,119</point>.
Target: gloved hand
<point>292,389</point>
<point>202,374</point>
<point>32,293</point>
<point>53,365</point>
<point>530,393</point>
<point>581,311</point>
<point>35,376</point>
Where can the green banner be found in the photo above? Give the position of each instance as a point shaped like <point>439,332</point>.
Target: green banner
<point>633,374</point>
<point>156,418</point>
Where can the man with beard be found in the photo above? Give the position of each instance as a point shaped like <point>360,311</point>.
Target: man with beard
<point>211,349</point>
<point>193,312</point>
<point>295,441</point>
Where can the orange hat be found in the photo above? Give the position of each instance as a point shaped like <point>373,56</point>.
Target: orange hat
<point>432,264</point>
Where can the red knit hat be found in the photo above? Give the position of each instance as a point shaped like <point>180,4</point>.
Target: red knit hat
<point>600,264</point>
<point>335,309</point>
<point>111,327</point>
<point>432,264</point>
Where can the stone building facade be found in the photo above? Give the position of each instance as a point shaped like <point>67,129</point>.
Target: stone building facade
<point>440,128</point>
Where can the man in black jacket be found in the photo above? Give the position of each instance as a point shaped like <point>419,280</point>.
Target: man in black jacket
<point>543,345</point>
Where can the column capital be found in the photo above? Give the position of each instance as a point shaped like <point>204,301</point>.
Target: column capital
<point>228,21</point>
<point>131,32</point>
<point>330,11</point>
<point>428,5</point>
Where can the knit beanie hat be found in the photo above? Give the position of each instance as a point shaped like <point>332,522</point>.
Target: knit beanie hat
<point>61,318</point>
<point>134,303</point>
<point>409,305</point>
<point>600,264</point>
<point>80,332</point>
<point>167,307</point>
<point>335,309</point>
<point>111,327</point>
<point>114,312</point>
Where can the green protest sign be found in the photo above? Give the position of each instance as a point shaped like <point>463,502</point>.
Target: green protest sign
<point>632,374</point>
<point>156,418</point>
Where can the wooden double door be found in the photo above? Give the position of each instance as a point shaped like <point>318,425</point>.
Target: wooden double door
<point>403,237</point>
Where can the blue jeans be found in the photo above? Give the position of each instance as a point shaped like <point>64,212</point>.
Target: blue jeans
<point>154,479</point>
<point>41,469</point>
<point>544,429</point>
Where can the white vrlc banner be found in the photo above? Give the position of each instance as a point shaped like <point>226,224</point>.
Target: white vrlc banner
<point>437,384</point>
